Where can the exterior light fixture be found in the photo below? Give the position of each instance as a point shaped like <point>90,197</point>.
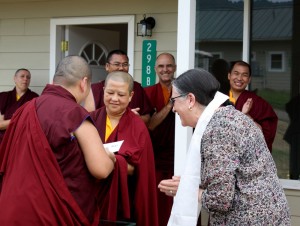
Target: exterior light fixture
<point>145,26</point>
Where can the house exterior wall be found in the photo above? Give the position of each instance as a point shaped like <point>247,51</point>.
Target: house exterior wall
<point>25,32</point>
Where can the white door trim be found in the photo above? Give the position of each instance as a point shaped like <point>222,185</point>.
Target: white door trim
<point>129,19</point>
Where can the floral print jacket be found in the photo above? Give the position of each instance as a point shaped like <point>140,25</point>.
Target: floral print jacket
<point>238,174</point>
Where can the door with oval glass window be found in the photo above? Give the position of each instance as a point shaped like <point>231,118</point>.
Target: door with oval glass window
<point>93,43</point>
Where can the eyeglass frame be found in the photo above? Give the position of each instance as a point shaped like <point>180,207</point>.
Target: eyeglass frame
<point>172,99</point>
<point>118,65</point>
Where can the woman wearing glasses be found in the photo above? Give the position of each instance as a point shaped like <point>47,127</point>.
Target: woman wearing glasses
<point>229,169</point>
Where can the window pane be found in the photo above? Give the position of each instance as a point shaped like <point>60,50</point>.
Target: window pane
<point>272,33</point>
<point>275,55</point>
<point>276,61</point>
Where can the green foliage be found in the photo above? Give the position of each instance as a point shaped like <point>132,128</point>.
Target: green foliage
<point>276,98</point>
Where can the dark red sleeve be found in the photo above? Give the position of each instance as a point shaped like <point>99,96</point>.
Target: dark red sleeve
<point>262,113</point>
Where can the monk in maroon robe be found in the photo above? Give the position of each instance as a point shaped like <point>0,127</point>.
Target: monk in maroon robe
<point>262,113</point>
<point>162,129</point>
<point>10,101</point>
<point>52,157</point>
<point>129,194</point>
<point>249,103</point>
<point>117,60</point>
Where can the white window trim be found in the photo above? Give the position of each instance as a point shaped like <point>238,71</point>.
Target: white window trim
<point>269,61</point>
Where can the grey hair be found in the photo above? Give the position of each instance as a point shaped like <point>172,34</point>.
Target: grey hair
<point>199,82</point>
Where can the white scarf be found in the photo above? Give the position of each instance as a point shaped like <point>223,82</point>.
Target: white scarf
<point>186,208</point>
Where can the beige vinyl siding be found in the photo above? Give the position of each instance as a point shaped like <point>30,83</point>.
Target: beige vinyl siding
<point>25,32</point>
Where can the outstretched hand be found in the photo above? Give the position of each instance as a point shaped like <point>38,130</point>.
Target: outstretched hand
<point>169,186</point>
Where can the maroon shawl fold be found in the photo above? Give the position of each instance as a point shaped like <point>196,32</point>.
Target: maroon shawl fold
<point>33,189</point>
<point>262,113</point>
<point>137,151</point>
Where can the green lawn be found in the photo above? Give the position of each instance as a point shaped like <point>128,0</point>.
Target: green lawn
<point>276,98</point>
<point>281,158</point>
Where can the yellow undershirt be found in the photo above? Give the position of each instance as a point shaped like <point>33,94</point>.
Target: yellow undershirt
<point>17,97</point>
<point>231,98</point>
<point>108,128</point>
<point>166,94</point>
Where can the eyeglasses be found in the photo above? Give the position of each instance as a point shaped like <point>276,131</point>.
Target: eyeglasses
<point>118,65</point>
<point>172,99</point>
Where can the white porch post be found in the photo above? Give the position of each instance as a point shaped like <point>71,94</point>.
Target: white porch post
<point>246,31</point>
<point>185,61</point>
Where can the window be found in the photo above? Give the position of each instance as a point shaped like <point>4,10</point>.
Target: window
<point>94,54</point>
<point>276,62</point>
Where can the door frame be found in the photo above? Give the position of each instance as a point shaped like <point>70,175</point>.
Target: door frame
<point>56,33</point>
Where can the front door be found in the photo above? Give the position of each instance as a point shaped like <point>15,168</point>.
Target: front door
<point>93,44</point>
<point>92,38</point>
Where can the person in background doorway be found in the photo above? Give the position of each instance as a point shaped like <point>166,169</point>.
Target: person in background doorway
<point>117,60</point>
<point>51,157</point>
<point>129,194</point>
<point>162,128</point>
<point>249,103</point>
<point>219,69</point>
<point>10,101</point>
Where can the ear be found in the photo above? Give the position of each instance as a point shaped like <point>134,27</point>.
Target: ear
<point>84,84</point>
<point>107,67</point>
<point>228,76</point>
<point>192,99</point>
<point>131,95</point>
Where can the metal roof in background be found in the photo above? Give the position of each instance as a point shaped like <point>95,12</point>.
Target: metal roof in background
<point>227,24</point>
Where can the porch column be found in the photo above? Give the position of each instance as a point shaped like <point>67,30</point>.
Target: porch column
<point>185,61</point>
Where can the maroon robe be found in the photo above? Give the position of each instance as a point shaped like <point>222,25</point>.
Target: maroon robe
<point>139,99</point>
<point>163,137</point>
<point>129,198</point>
<point>45,177</point>
<point>9,104</point>
<point>262,113</point>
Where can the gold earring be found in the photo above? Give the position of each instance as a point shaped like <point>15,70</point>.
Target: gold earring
<point>190,108</point>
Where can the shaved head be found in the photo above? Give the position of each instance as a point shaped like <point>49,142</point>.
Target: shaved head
<point>120,76</point>
<point>71,69</point>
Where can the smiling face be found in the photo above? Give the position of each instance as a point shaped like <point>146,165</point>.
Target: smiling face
<point>165,68</point>
<point>116,97</point>
<point>22,80</point>
<point>181,107</point>
<point>117,62</point>
<point>239,78</point>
